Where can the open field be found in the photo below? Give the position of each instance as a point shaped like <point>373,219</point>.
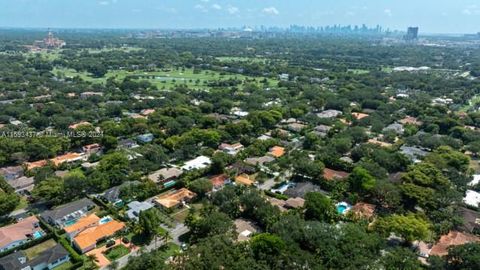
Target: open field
<point>165,78</point>
<point>471,103</point>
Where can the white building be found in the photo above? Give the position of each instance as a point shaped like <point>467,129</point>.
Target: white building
<point>472,198</point>
<point>198,163</point>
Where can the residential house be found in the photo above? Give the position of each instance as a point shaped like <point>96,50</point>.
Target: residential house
<point>147,112</point>
<point>12,172</point>
<point>415,154</point>
<point>380,143</point>
<point>329,114</point>
<point>245,229</point>
<point>198,163</point>
<point>395,127</point>
<point>238,112</point>
<point>17,234</point>
<point>89,94</point>
<point>260,161</point>
<point>165,175</point>
<point>409,120</point>
<point>80,124</point>
<point>68,214</point>
<point>68,158</point>
<point>91,148</point>
<point>453,238</point>
<point>277,151</point>
<point>36,164</point>
<point>23,185</point>
<point>471,220</point>
<point>112,195</point>
<point>135,207</point>
<point>359,116</point>
<point>48,259</point>
<point>81,224</point>
<point>472,198</point>
<point>264,137</point>
<point>322,130</point>
<point>240,167</point>
<point>87,239</point>
<point>145,138</point>
<point>329,174</point>
<point>294,203</point>
<point>231,149</point>
<point>174,198</point>
<point>218,181</point>
<point>127,144</point>
<point>299,190</point>
<point>244,179</point>
<point>363,210</point>
<point>296,127</point>
<point>283,77</point>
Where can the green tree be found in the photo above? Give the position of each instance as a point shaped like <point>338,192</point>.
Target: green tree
<point>361,181</point>
<point>201,186</point>
<point>464,257</point>
<point>319,207</point>
<point>409,227</point>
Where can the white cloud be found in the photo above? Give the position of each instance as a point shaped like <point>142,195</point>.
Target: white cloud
<point>104,3</point>
<point>388,12</point>
<point>205,1</point>
<point>271,11</point>
<point>216,6</point>
<point>202,8</point>
<point>471,10</point>
<point>233,10</point>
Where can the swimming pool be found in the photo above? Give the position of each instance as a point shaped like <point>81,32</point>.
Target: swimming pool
<point>37,234</point>
<point>342,207</point>
<point>105,220</point>
<point>70,222</point>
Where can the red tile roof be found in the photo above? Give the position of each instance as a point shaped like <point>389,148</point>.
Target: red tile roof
<point>330,174</point>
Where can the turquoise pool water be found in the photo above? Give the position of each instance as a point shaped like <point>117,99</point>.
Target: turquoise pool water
<point>37,235</point>
<point>105,220</point>
<point>341,209</point>
<point>70,222</point>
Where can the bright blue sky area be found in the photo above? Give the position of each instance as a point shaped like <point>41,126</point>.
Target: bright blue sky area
<point>432,16</point>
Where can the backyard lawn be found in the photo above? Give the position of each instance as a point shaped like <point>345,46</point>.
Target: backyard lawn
<point>116,252</point>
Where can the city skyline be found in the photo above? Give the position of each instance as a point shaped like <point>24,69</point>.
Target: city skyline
<point>441,16</point>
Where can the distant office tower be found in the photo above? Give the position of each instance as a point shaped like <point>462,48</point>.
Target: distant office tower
<point>412,33</point>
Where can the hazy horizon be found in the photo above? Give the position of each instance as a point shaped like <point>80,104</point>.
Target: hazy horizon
<point>432,16</point>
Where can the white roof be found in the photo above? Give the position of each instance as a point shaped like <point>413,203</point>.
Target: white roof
<point>472,198</point>
<point>200,162</point>
<point>475,181</point>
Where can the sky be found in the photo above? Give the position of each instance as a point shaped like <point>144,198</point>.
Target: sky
<point>432,16</point>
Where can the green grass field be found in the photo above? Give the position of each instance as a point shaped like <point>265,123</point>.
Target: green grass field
<point>116,252</point>
<point>164,79</point>
<point>471,103</point>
